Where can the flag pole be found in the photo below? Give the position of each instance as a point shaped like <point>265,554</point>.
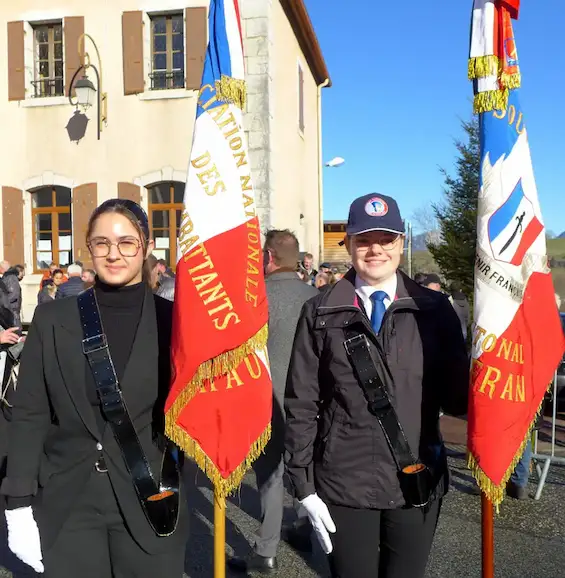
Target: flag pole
<point>219,535</point>
<point>487,536</point>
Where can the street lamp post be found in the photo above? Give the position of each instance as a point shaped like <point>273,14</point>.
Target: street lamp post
<point>86,92</point>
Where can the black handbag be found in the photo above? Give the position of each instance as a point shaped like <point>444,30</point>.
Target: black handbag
<point>415,478</point>
<point>159,500</point>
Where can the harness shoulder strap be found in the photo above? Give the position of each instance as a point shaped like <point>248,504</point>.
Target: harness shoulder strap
<point>372,376</point>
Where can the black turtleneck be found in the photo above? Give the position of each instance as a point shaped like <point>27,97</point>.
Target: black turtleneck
<point>120,309</point>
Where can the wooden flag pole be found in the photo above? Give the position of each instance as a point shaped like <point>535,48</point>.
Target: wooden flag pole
<point>487,536</point>
<point>219,536</point>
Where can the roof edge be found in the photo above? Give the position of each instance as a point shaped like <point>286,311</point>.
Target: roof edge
<point>299,19</point>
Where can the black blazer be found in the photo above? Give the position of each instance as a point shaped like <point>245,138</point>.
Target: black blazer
<point>54,433</point>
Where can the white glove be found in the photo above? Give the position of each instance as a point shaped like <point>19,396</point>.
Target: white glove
<point>320,519</point>
<point>23,537</point>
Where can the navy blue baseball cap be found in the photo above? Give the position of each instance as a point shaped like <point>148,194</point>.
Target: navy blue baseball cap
<point>374,212</point>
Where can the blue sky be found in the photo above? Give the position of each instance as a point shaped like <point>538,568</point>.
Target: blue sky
<point>400,88</point>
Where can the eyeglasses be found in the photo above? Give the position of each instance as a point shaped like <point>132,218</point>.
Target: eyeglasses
<point>386,241</point>
<point>102,247</point>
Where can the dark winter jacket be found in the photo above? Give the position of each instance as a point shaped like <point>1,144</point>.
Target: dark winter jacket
<point>462,309</point>
<point>334,445</point>
<point>14,292</point>
<point>70,288</point>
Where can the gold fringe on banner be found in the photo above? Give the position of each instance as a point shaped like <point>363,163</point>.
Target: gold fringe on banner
<point>220,365</point>
<point>224,486</point>
<point>232,90</point>
<point>511,81</point>
<point>495,493</point>
<point>491,100</point>
<point>482,66</point>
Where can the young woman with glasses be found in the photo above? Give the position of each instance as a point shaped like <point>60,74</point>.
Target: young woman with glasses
<point>76,502</point>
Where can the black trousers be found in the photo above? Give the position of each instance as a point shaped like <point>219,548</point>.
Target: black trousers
<point>382,543</point>
<point>94,542</point>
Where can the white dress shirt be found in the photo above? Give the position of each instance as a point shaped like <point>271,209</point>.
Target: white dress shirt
<point>364,292</point>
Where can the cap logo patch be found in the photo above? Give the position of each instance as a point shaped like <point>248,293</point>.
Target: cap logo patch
<point>376,207</point>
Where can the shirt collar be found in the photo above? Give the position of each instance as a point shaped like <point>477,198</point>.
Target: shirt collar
<point>365,290</point>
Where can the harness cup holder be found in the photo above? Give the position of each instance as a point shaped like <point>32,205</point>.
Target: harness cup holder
<point>415,483</point>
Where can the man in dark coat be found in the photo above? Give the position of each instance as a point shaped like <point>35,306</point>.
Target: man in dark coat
<point>11,281</point>
<point>74,285</point>
<point>286,294</point>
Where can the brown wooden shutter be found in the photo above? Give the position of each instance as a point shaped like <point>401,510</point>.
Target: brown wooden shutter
<point>13,225</point>
<point>132,48</point>
<point>85,200</point>
<point>196,42</point>
<point>16,61</point>
<point>129,191</point>
<point>73,29</point>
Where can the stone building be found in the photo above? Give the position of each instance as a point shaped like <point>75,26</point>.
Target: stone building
<point>53,173</point>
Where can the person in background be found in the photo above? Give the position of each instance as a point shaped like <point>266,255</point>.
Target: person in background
<point>325,268</point>
<point>461,306</point>
<point>48,274</point>
<point>286,295</point>
<point>59,277</point>
<point>11,281</point>
<point>47,293</point>
<point>432,281</point>
<point>164,269</point>
<point>322,281</point>
<point>308,268</point>
<point>420,278</point>
<point>4,266</point>
<point>74,285</point>
<point>160,284</point>
<point>344,472</point>
<point>88,277</point>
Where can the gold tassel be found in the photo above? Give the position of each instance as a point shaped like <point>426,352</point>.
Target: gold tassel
<point>511,81</point>
<point>232,90</point>
<point>495,493</point>
<point>224,486</point>
<point>219,365</point>
<point>482,66</point>
<point>491,100</point>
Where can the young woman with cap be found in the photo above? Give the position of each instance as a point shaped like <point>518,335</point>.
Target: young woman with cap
<point>375,359</point>
<point>92,485</point>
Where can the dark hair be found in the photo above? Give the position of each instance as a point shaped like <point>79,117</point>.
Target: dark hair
<point>91,271</point>
<point>283,246</point>
<point>57,271</point>
<point>162,262</point>
<point>132,211</point>
<point>420,278</point>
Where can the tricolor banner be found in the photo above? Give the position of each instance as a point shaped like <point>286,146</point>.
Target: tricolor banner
<point>219,407</point>
<point>517,339</point>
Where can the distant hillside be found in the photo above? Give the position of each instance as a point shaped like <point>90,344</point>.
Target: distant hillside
<point>562,236</point>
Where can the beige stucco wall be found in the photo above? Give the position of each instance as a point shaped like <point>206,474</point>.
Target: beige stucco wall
<point>295,158</point>
<point>145,140</point>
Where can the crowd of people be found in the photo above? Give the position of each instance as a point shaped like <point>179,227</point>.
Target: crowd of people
<point>363,363</point>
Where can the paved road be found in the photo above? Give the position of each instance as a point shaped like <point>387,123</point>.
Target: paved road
<point>529,535</point>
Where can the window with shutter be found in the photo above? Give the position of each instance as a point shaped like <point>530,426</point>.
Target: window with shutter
<point>51,226</point>
<point>165,211</point>
<point>167,51</point>
<point>48,59</point>
<point>73,29</point>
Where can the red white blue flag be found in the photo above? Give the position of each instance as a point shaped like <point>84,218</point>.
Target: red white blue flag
<point>517,340</point>
<point>219,408</point>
